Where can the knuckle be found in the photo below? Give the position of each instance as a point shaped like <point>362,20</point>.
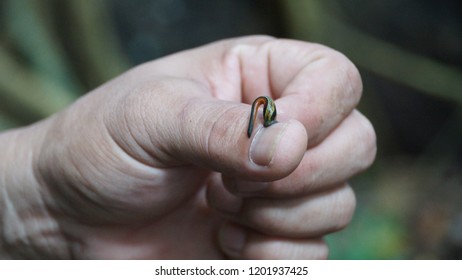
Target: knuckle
<point>344,205</point>
<point>268,222</point>
<point>222,129</point>
<point>353,78</point>
<point>369,139</point>
<point>347,75</point>
<point>322,252</point>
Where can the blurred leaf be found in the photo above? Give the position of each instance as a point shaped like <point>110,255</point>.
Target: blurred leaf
<point>29,25</point>
<point>371,235</point>
<point>6,122</point>
<point>30,92</point>
<point>97,48</point>
<point>37,74</point>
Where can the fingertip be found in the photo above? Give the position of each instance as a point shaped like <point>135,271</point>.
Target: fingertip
<point>232,239</point>
<point>277,150</point>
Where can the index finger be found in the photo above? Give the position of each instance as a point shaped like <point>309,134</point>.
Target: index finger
<point>311,83</point>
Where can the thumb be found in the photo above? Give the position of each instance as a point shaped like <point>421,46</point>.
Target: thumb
<point>213,134</point>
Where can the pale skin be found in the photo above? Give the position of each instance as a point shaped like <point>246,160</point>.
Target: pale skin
<point>157,163</point>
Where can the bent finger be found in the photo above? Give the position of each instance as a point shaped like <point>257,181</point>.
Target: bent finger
<point>303,217</point>
<point>242,243</point>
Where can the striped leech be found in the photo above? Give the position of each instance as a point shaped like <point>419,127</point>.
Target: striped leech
<point>269,112</point>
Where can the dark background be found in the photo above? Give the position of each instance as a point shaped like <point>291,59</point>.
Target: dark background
<point>409,53</point>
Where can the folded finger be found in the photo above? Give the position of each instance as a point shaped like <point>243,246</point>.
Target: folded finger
<point>304,217</point>
<point>242,243</point>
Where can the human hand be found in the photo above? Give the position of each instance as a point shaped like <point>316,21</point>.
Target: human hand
<point>157,164</point>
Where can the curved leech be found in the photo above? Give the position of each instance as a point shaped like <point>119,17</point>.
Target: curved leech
<point>269,112</point>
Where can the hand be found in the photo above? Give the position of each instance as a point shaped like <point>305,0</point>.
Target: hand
<point>157,164</point>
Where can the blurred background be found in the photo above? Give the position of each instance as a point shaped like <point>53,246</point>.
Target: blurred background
<point>409,53</point>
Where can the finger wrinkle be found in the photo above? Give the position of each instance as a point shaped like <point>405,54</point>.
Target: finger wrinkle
<point>223,121</point>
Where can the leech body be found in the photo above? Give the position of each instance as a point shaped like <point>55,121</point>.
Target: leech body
<point>269,112</point>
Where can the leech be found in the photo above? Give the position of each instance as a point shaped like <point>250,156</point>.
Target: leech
<point>269,112</point>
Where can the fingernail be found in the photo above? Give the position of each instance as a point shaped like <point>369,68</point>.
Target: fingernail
<point>232,239</point>
<point>265,142</point>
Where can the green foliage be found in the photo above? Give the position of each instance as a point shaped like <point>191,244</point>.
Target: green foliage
<point>372,235</point>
